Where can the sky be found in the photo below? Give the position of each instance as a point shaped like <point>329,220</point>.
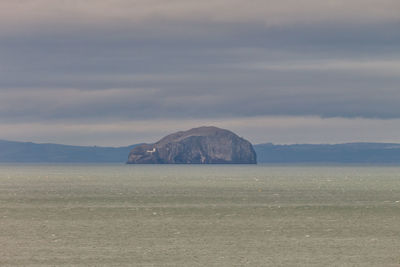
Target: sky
<point>121,72</point>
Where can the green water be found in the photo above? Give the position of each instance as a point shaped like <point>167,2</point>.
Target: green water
<point>131,215</point>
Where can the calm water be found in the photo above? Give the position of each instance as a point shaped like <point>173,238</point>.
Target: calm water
<point>120,215</point>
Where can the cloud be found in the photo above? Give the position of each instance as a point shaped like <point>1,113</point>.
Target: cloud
<point>26,13</point>
<point>275,129</point>
<point>223,94</point>
<point>388,67</point>
<point>98,62</point>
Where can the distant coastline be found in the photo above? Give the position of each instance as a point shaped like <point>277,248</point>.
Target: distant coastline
<point>348,153</point>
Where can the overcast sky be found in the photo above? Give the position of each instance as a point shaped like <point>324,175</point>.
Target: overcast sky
<point>102,72</point>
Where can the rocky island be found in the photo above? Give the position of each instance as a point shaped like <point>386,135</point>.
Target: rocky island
<point>203,145</point>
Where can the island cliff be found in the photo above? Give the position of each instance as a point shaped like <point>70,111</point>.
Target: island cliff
<point>203,145</point>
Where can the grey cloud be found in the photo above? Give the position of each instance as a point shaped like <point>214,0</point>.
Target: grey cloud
<point>29,13</point>
<point>276,129</point>
<point>221,94</point>
<point>196,60</point>
<point>145,80</point>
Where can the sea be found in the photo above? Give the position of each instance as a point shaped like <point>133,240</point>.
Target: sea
<point>199,215</point>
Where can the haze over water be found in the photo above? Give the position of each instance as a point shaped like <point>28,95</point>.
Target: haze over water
<point>185,215</point>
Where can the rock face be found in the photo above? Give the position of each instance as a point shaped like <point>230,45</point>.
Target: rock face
<point>203,145</point>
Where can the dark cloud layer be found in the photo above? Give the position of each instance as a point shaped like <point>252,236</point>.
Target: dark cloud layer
<point>163,63</point>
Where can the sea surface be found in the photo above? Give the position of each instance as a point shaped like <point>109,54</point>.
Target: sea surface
<point>191,215</point>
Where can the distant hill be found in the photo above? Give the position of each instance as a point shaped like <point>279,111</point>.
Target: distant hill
<point>31,152</point>
<point>379,153</point>
<point>338,153</point>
